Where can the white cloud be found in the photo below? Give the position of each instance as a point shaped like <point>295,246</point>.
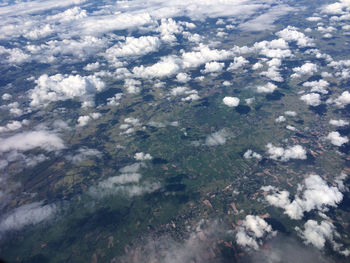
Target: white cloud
<point>13,125</point>
<point>84,120</point>
<point>291,34</point>
<point>217,138</point>
<point>168,28</point>
<point>140,156</point>
<point>339,123</point>
<point>14,55</point>
<point>133,47</point>
<point>268,88</point>
<point>317,86</point>
<point>127,184</point>
<point>336,139</point>
<point>231,101</point>
<point>343,99</point>
<point>30,140</point>
<point>6,96</point>
<point>312,99</point>
<point>291,128</point>
<point>285,154</point>
<point>191,95</point>
<point>290,113</point>
<point>82,154</point>
<point>183,77</point>
<point>114,101</point>
<point>317,234</point>
<point>313,194</point>
<point>166,67</point>
<point>336,8</point>
<point>29,214</point>
<point>237,63</point>
<point>280,119</point>
<point>213,67</point>
<point>306,69</point>
<point>252,231</point>
<point>62,87</point>
<point>249,154</point>
<point>204,55</point>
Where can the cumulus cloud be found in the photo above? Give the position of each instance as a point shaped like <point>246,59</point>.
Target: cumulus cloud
<point>84,120</point>
<point>63,87</point>
<point>280,119</point>
<point>217,138</point>
<point>191,95</point>
<point>317,86</point>
<point>30,140</point>
<point>306,69</point>
<point>166,67</point>
<point>338,123</point>
<point>249,154</point>
<point>25,215</point>
<point>291,34</point>
<point>231,101</point>
<point>252,231</point>
<point>82,154</point>
<point>133,47</point>
<point>312,99</point>
<point>317,234</point>
<point>343,99</point>
<point>213,67</point>
<point>336,139</point>
<point>13,125</point>
<point>140,156</point>
<point>183,77</point>
<point>237,63</point>
<point>268,88</point>
<point>313,194</point>
<point>285,154</point>
<point>127,184</point>
<point>114,101</point>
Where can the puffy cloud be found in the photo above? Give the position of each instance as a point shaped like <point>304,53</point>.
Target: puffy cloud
<point>140,156</point>
<point>13,125</point>
<point>183,77</point>
<point>74,13</point>
<point>337,8</point>
<point>114,101</point>
<point>217,138</point>
<point>204,55</point>
<point>231,101</point>
<point>249,154</point>
<point>84,120</point>
<point>212,67</point>
<point>127,184</point>
<point>190,94</point>
<point>336,139</point>
<point>277,48</point>
<point>237,63</point>
<point>14,55</point>
<point>291,128</point>
<point>285,154</point>
<point>290,113</point>
<point>130,125</point>
<point>280,119</point>
<point>268,88</point>
<point>59,87</point>
<point>30,140</point>
<point>133,47</point>
<point>339,123</point>
<point>312,99</point>
<point>168,28</point>
<point>82,154</point>
<point>29,214</point>
<point>92,66</point>
<point>313,194</point>
<point>317,86</point>
<point>251,232</point>
<point>166,67</point>
<point>6,96</point>
<point>343,99</point>
<point>291,34</point>
<point>306,69</point>
<point>317,234</point>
